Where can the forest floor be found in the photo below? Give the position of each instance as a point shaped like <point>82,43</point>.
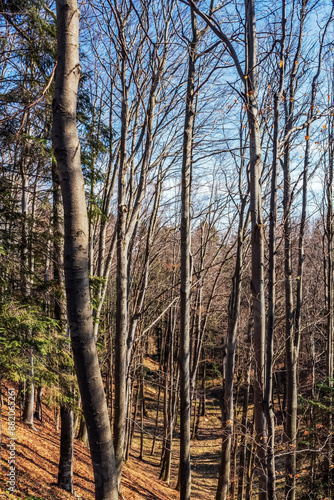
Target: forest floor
<point>37,455</point>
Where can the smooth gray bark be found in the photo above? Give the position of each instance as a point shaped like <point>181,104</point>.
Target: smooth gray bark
<point>184,354</point>
<point>249,78</point>
<point>229,360</point>
<point>65,467</point>
<point>268,394</point>
<point>67,152</point>
<point>329,299</point>
<point>128,212</point>
<point>29,396</point>
<point>122,246</point>
<point>257,242</point>
<point>330,284</point>
<point>292,342</point>
<point>29,399</point>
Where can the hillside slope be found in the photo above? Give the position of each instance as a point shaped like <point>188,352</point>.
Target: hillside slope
<point>37,456</point>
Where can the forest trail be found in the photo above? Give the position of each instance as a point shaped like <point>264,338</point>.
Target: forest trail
<point>37,456</point>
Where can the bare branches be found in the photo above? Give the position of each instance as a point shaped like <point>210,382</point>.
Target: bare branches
<point>31,105</point>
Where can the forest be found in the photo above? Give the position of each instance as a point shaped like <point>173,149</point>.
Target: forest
<point>166,249</point>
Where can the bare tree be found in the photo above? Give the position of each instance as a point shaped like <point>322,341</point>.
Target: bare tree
<point>230,346</point>
<point>249,79</point>
<point>268,395</point>
<point>186,270</point>
<point>67,152</point>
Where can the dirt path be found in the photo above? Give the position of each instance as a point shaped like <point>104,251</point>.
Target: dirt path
<point>37,455</point>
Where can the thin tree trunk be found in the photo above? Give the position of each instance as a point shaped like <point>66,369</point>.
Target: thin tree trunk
<point>121,287</point>
<point>29,395</point>
<point>169,406</point>
<point>257,283</point>
<point>56,417</point>
<point>156,418</point>
<point>28,409</point>
<point>229,361</point>
<point>128,426</point>
<point>243,442</point>
<point>251,453</point>
<point>184,355</point>
<point>204,389</point>
<point>65,471</point>
<point>195,407</point>
<point>292,342</point>
<point>234,465</point>
<point>103,265</point>
<point>329,297</point>
<point>38,408</point>
<point>82,433</point>
<point>142,402</point>
<point>65,467</point>
<point>132,422</point>
<point>268,396</point>
<point>165,407</point>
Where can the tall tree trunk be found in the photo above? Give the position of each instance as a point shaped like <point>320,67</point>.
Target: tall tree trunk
<point>169,405</point>
<point>257,283</point>
<point>330,295</point>
<point>127,221</point>
<point>291,368</point>
<point>65,467</point>
<point>233,317</point>
<point>292,342</point>
<point>122,289</point>
<point>184,355</point>
<point>268,395</point>
<point>249,78</point>
<point>29,395</point>
<point>161,348</point>
<point>67,152</point>
<point>103,264</point>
